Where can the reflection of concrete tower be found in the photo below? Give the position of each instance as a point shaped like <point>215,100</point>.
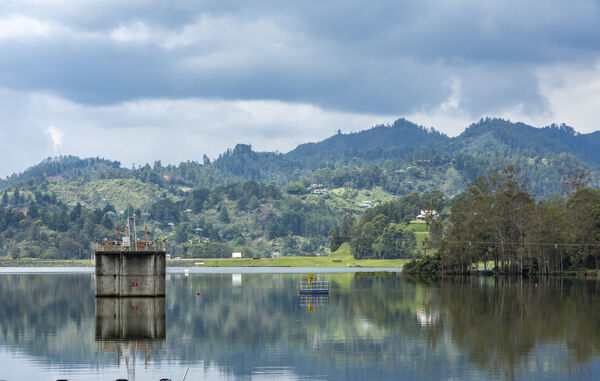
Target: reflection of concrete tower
<point>130,327</point>
<point>130,318</point>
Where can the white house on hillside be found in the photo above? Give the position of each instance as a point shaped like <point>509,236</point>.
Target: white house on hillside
<point>366,204</point>
<point>427,213</point>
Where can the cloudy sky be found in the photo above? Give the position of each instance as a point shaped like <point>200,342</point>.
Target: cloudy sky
<point>142,80</point>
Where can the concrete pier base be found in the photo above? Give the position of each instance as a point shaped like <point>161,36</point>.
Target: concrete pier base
<point>130,273</point>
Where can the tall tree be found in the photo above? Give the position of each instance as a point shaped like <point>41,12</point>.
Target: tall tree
<point>490,218</point>
<point>16,198</point>
<point>584,209</point>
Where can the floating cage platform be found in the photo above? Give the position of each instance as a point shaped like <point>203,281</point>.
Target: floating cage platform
<point>313,287</point>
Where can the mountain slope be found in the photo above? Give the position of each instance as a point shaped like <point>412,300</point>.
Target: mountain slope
<point>398,141</point>
<point>499,134</point>
<point>402,157</point>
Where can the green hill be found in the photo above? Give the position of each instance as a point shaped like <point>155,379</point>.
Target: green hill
<point>400,141</point>
<point>259,202</point>
<point>401,158</point>
<point>120,193</point>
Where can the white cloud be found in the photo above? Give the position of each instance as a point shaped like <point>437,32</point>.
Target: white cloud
<point>56,136</point>
<point>572,95</point>
<point>453,102</point>
<point>141,33</point>
<point>448,117</point>
<point>216,33</point>
<point>161,129</point>
<point>137,33</point>
<point>18,27</point>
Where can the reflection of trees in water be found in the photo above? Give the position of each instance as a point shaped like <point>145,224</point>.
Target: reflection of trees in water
<point>501,322</point>
<point>503,325</point>
<point>264,322</point>
<point>46,313</point>
<point>394,305</point>
<point>252,314</point>
<point>358,334</point>
<point>373,326</point>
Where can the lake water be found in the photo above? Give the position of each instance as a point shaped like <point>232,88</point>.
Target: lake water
<point>225,326</point>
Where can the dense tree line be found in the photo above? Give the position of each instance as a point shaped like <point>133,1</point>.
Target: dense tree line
<point>497,220</point>
<point>37,225</point>
<point>207,223</point>
<point>240,214</point>
<point>451,172</point>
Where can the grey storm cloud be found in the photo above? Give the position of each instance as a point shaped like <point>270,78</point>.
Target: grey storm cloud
<point>385,57</point>
<point>188,77</point>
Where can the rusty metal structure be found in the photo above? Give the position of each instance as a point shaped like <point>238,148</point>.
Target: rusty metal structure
<point>129,241</point>
<point>135,246</point>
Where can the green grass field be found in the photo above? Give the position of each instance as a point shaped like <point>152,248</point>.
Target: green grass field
<point>47,263</point>
<point>340,258</point>
<point>421,232</point>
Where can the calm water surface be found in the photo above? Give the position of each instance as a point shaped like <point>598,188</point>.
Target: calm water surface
<point>225,326</point>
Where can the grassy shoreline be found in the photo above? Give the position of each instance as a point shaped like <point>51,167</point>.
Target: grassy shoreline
<point>47,263</point>
<point>341,258</point>
<point>225,262</point>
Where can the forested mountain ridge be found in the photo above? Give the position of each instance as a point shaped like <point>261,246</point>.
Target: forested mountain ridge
<point>401,158</point>
<point>399,141</point>
<point>551,140</point>
<point>69,168</point>
<point>258,202</point>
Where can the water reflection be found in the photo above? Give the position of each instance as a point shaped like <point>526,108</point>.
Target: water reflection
<point>127,319</point>
<point>311,302</point>
<point>368,327</point>
<point>426,318</point>
<point>130,328</point>
<point>506,325</point>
